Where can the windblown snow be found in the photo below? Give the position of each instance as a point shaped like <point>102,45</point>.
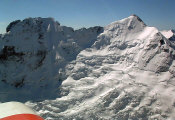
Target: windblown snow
<point>123,71</point>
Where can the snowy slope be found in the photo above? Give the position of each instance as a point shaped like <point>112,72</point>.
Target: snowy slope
<point>126,72</point>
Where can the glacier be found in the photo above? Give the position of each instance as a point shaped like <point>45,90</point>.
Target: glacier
<point>124,70</point>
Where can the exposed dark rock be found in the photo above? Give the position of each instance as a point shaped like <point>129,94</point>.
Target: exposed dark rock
<point>19,83</point>
<point>9,51</point>
<point>172,38</point>
<point>139,19</point>
<point>162,42</point>
<point>40,36</point>
<point>4,81</point>
<point>12,24</point>
<point>42,55</point>
<point>99,29</point>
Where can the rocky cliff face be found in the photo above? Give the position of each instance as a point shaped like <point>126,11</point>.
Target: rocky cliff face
<point>34,51</point>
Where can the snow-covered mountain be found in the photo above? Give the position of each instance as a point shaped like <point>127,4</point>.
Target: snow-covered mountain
<point>33,54</point>
<point>123,71</point>
<point>169,34</point>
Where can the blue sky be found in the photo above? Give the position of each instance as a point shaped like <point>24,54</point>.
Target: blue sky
<point>87,13</point>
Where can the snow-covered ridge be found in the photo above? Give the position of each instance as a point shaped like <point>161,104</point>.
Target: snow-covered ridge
<point>169,34</point>
<point>122,71</point>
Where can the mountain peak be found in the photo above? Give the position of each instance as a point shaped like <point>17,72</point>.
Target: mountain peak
<point>135,17</point>
<point>12,24</point>
<point>48,19</point>
<point>37,21</point>
<point>132,22</point>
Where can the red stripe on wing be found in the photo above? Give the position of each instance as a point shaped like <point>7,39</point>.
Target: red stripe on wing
<point>23,117</point>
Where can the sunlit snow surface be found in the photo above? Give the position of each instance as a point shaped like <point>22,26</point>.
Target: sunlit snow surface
<point>167,33</point>
<point>128,73</point>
